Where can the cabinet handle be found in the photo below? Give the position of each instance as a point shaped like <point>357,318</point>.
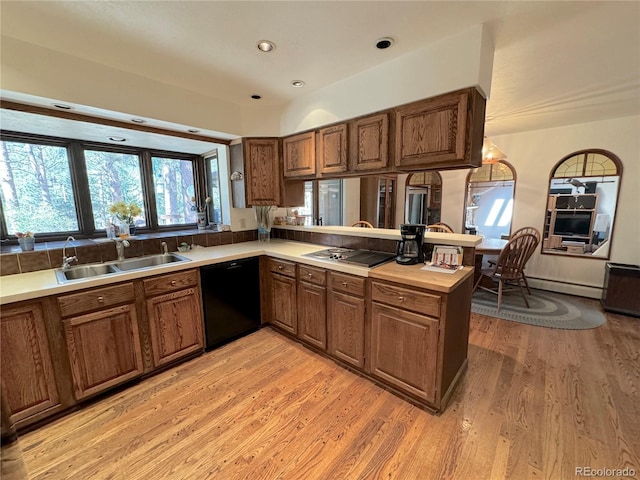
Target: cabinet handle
<point>173,283</point>
<point>344,284</point>
<point>100,299</point>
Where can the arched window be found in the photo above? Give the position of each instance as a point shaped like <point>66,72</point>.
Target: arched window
<point>423,197</point>
<point>489,201</point>
<point>581,204</point>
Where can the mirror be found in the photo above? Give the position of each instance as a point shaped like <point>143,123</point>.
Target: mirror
<point>581,204</point>
<point>489,200</point>
<point>423,196</point>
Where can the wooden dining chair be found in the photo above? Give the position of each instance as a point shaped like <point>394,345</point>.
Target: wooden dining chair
<point>509,268</point>
<point>533,231</point>
<point>439,227</point>
<point>362,223</point>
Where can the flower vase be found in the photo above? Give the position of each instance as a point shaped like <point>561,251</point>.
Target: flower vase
<point>27,244</point>
<point>132,229</point>
<point>201,220</point>
<point>124,230</point>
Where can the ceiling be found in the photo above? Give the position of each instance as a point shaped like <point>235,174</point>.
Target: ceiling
<point>555,63</point>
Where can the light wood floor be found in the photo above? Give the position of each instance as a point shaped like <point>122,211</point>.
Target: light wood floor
<point>534,403</point>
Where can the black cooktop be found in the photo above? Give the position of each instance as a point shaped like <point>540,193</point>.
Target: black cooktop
<point>363,258</point>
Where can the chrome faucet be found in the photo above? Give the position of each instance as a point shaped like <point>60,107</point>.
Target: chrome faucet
<point>165,249</point>
<point>66,261</point>
<point>120,245</point>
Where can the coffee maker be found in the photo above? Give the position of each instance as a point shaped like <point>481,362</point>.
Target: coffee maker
<point>409,251</point>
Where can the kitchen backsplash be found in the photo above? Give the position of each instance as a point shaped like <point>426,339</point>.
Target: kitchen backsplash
<point>49,254</point>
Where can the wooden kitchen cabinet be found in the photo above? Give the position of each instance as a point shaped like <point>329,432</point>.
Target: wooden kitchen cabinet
<point>28,380</point>
<point>312,306</point>
<point>440,132</point>
<point>262,171</point>
<point>104,349</point>
<point>331,149</point>
<point>299,155</point>
<point>282,288</point>
<point>369,143</point>
<point>346,318</point>
<point>174,311</point>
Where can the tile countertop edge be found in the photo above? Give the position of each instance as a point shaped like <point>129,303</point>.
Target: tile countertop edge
<point>28,286</point>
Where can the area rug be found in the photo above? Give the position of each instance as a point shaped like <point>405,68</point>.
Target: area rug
<point>546,309</point>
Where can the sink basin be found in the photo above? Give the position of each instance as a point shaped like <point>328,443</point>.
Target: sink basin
<point>150,261</point>
<point>85,271</point>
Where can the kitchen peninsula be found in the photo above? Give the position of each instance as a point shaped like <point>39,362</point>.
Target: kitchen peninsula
<point>404,328</point>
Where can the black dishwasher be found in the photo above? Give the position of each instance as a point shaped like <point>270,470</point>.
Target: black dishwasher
<point>231,299</point>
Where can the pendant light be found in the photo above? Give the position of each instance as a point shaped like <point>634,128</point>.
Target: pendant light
<point>491,153</point>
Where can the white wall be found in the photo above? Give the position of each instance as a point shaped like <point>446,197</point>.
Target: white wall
<point>533,154</point>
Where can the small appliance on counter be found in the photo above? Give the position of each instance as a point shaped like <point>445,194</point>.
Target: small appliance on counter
<point>409,251</point>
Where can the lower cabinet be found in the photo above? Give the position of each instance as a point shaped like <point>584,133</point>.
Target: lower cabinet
<point>104,349</point>
<point>28,381</point>
<point>404,350</point>
<point>346,318</point>
<point>282,289</point>
<point>312,306</point>
<point>175,316</point>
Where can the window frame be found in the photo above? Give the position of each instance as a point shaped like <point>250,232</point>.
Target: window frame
<point>80,184</point>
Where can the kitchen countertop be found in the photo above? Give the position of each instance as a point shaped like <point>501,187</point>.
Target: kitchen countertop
<point>25,286</point>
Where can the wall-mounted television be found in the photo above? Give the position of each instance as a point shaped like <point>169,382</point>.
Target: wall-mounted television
<point>573,223</point>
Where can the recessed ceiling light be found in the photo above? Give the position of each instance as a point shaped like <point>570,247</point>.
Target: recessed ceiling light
<point>193,130</point>
<point>62,106</point>
<point>138,120</point>
<point>266,45</point>
<point>383,43</point>
<point>117,139</point>
<point>255,96</point>
<point>297,83</point>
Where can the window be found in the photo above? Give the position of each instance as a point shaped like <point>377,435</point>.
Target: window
<point>113,177</point>
<point>213,183</point>
<point>322,202</point>
<point>489,202</point>
<point>56,187</point>
<point>175,191</point>
<point>37,192</point>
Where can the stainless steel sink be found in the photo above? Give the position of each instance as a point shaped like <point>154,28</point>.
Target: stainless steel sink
<point>85,271</point>
<point>150,261</point>
<point>100,269</point>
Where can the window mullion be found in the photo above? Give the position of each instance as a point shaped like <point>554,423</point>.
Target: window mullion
<point>80,182</point>
<point>149,191</point>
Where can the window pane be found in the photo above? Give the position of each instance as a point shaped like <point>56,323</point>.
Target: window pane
<point>113,177</point>
<point>174,190</point>
<point>215,207</point>
<point>37,195</point>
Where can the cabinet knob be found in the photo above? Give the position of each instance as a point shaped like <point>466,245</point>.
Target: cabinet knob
<point>344,284</point>
<point>173,283</point>
<point>280,267</point>
<point>101,299</point>
<point>401,299</point>
<point>310,275</point>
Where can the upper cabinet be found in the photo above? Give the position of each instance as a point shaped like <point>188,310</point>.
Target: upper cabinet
<point>440,132</point>
<point>299,155</point>
<point>262,171</point>
<point>331,149</point>
<point>369,143</point>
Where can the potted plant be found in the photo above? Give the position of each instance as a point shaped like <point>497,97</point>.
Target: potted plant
<point>26,241</point>
<point>125,213</point>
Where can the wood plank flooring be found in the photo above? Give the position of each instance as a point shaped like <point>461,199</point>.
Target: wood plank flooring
<point>534,403</point>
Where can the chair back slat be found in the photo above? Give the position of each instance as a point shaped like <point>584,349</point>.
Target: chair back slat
<point>514,256</point>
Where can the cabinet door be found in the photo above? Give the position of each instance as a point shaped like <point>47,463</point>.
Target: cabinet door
<point>283,303</point>
<point>104,349</point>
<point>175,324</point>
<point>312,314</point>
<point>331,149</point>
<point>404,350</point>
<point>27,373</point>
<point>299,154</point>
<point>262,171</point>
<point>432,133</point>
<point>346,328</point>
<point>369,143</point>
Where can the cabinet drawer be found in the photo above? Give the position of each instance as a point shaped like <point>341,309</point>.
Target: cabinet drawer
<point>95,299</point>
<point>405,298</point>
<point>170,282</point>
<point>350,284</point>
<point>317,276</point>
<point>282,267</point>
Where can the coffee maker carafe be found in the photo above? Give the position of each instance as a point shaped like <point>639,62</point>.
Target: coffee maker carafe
<point>409,251</point>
